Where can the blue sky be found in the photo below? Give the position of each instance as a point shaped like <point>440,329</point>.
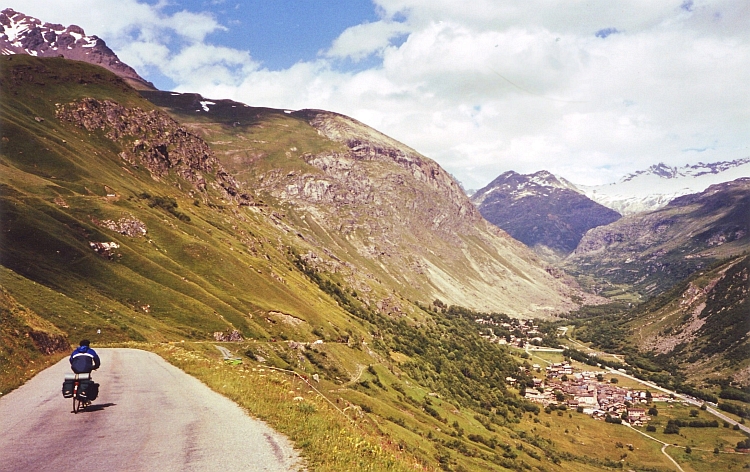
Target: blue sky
<point>590,91</point>
<point>281,33</point>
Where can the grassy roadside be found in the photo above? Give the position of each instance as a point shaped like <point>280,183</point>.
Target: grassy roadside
<point>329,439</point>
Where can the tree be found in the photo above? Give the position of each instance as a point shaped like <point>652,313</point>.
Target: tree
<point>688,449</point>
<point>653,411</point>
<point>671,428</point>
<point>613,380</point>
<point>600,378</point>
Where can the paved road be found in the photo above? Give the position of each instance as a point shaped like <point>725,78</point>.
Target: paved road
<point>149,416</point>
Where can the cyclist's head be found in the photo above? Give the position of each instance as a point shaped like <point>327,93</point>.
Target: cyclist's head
<point>84,342</point>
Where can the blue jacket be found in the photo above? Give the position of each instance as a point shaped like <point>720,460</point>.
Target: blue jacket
<point>84,360</point>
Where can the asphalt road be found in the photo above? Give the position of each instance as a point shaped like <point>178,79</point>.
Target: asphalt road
<point>149,416</point>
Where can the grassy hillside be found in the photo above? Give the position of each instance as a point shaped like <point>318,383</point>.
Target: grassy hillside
<point>202,265</point>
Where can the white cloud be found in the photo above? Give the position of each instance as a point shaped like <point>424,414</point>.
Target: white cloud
<point>488,86</point>
<point>362,40</point>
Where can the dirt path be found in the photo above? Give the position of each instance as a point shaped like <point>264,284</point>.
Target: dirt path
<point>664,447</point>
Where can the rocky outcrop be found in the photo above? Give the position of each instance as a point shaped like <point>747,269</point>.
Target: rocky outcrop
<point>22,34</point>
<point>378,170</point>
<point>155,140</point>
<point>49,343</point>
<point>128,226</point>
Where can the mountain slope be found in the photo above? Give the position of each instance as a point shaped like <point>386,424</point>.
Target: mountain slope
<point>22,34</point>
<point>540,210</point>
<point>653,188</point>
<point>383,213</point>
<point>702,324</point>
<point>137,224</point>
<point>652,251</point>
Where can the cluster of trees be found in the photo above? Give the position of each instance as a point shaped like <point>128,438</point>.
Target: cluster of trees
<point>731,393</point>
<point>168,204</point>
<point>738,410</point>
<point>695,423</point>
<point>446,354</point>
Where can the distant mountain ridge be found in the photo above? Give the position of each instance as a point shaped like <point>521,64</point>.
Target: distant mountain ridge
<point>651,251</point>
<point>656,186</point>
<point>22,34</point>
<point>543,211</point>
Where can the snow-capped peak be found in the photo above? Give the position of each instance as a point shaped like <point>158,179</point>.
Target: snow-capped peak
<point>22,34</point>
<point>656,186</point>
<point>523,185</point>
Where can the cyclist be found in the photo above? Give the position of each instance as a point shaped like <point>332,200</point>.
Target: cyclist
<point>84,359</point>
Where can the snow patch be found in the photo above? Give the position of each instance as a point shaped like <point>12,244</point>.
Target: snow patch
<point>205,104</point>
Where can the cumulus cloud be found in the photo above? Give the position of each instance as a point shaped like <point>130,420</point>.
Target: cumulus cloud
<point>360,41</point>
<point>588,91</point>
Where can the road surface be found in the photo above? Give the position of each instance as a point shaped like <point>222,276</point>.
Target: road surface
<point>149,416</point>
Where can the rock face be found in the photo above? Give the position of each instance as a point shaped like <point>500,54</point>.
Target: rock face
<point>541,210</point>
<point>22,34</point>
<point>654,250</point>
<point>154,140</point>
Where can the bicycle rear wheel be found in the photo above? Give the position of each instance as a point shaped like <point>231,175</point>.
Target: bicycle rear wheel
<point>77,403</point>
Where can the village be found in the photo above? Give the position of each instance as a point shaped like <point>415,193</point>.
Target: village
<point>559,384</point>
<point>511,331</point>
<point>587,392</point>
